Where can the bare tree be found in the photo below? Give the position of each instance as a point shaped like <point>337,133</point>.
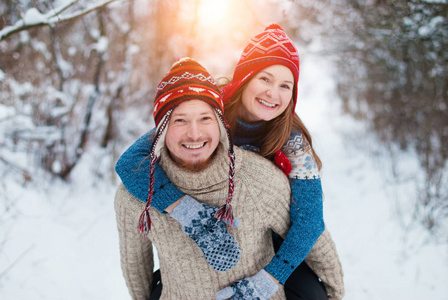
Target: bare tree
<point>63,79</point>
<point>392,72</point>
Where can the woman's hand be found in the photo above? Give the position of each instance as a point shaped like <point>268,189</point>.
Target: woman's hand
<point>260,286</point>
<point>198,221</point>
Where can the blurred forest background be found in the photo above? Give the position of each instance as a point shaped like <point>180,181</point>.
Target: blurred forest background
<point>71,69</point>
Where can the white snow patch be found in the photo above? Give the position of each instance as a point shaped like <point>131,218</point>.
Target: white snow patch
<point>102,44</point>
<point>72,51</point>
<point>21,89</point>
<point>33,16</point>
<point>6,111</point>
<point>429,28</point>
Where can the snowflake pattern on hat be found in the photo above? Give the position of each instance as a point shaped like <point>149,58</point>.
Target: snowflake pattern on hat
<point>186,75</point>
<point>272,43</point>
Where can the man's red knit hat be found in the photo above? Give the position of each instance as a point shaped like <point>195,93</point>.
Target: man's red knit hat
<point>270,47</point>
<point>187,80</point>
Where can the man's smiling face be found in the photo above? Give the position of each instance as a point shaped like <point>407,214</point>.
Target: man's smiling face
<point>193,134</point>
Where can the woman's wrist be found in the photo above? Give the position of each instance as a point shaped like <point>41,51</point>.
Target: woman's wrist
<point>170,208</point>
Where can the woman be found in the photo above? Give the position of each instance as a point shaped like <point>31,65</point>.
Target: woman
<point>259,106</point>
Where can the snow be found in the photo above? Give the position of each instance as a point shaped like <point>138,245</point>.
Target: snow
<point>6,111</point>
<point>436,1</point>
<point>366,211</point>
<point>33,16</point>
<point>72,51</point>
<point>101,45</point>
<point>59,240</point>
<point>429,28</point>
<point>21,89</point>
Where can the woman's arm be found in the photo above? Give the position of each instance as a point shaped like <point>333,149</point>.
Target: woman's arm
<point>306,227</point>
<point>135,251</point>
<point>133,169</point>
<point>306,210</point>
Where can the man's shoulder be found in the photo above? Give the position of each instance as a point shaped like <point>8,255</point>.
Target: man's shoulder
<point>122,192</point>
<point>124,197</point>
<point>260,169</point>
<point>251,158</point>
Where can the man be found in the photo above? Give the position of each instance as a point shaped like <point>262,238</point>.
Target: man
<point>193,146</point>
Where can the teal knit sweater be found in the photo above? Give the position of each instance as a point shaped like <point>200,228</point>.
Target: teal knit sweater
<point>306,206</point>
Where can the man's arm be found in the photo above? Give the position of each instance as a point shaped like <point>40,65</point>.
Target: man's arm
<point>323,259</point>
<point>271,189</point>
<point>135,251</point>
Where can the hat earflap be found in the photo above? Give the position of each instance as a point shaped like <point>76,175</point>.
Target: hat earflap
<point>159,139</point>
<point>225,212</point>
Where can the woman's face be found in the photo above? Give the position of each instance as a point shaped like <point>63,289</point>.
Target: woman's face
<point>267,94</point>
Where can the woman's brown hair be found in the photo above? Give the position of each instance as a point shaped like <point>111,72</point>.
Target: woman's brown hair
<point>280,128</point>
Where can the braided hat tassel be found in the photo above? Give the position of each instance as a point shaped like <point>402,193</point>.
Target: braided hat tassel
<point>145,220</point>
<point>225,212</point>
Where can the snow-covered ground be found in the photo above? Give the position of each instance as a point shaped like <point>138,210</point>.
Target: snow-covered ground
<point>59,241</point>
<point>368,212</point>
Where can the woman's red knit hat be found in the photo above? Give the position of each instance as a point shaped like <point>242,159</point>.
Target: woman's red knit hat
<point>270,47</point>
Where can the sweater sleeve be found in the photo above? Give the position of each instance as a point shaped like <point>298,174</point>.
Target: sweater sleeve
<point>306,210</point>
<point>135,251</point>
<point>133,169</point>
<point>324,261</point>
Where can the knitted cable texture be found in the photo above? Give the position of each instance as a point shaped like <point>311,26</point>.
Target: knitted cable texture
<point>261,202</point>
<point>287,258</point>
<point>308,192</point>
<point>323,259</point>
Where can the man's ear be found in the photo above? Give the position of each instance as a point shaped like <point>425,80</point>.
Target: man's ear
<point>222,131</point>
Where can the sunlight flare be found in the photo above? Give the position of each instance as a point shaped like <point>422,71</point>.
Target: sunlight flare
<point>211,12</point>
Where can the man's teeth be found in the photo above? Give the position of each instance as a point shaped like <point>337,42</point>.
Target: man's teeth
<point>196,146</point>
<point>266,103</point>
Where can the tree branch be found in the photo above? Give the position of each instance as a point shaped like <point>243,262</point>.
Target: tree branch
<point>51,20</point>
<point>59,10</point>
<point>26,174</point>
<point>16,261</point>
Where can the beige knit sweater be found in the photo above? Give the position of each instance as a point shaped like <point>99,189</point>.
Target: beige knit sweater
<point>323,259</point>
<point>261,202</point>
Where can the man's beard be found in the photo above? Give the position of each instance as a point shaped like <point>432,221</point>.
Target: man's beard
<point>196,166</point>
